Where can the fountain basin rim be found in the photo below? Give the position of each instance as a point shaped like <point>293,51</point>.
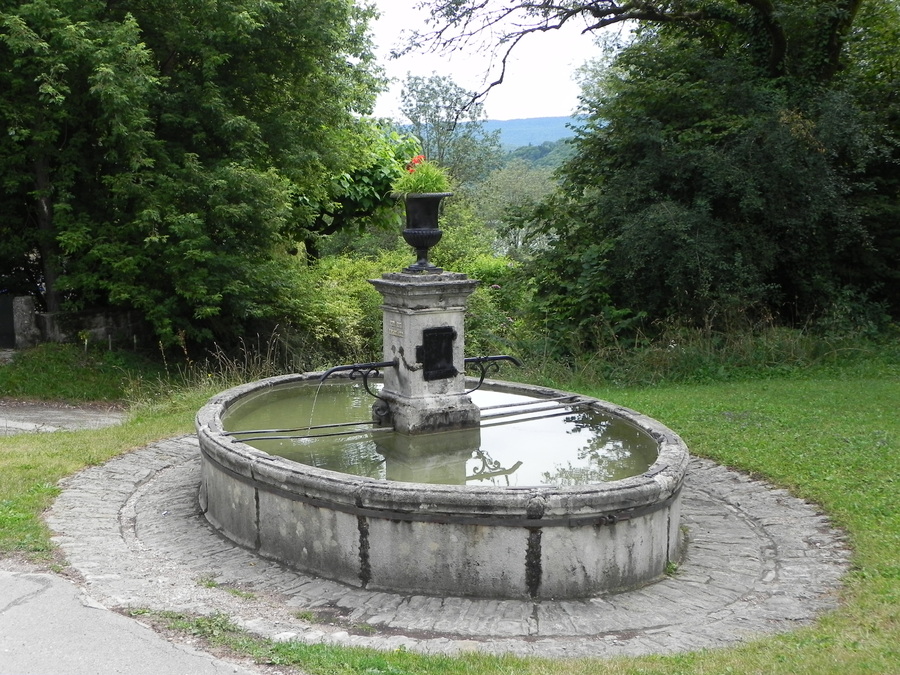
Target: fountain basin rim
<point>544,504</point>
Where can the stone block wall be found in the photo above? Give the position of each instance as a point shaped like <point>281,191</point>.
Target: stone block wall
<point>29,327</point>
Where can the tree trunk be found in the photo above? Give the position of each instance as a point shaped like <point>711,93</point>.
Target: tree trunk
<point>47,238</point>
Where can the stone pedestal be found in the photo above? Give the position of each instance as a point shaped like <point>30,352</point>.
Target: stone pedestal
<point>24,324</point>
<point>424,333</point>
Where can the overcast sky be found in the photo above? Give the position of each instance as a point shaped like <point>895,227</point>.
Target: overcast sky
<point>540,76</point>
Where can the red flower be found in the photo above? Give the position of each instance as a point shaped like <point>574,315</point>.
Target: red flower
<point>418,159</point>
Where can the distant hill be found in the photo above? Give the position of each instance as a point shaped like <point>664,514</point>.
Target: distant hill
<point>547,155</point>
<point>532,131</point>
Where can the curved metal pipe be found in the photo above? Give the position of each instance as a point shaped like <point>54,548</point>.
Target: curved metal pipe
<point>365,368</point>
<point>485,363</point>
<point>487,359</point>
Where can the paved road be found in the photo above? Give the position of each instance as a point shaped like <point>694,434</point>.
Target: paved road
<point>18,416</point>
<point>50,625</point>
<point>25,416</point>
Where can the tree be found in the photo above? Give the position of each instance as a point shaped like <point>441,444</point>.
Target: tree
<point>729,165</point>
<point>507,196</point>
<point>450,127</point>
<point>72,85</point>
<point>873,79</point>
<point>547,155</point>
<point>162,154</point>
<point>357,198</point>
<point>803,39</point>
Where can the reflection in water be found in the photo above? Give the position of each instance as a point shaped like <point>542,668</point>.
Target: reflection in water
<point>607,447</point>
<point>581,446</point>
<point>435,458</point>
<point>490,468</point>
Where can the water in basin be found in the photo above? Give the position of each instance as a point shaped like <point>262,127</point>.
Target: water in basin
<point>558,445</point>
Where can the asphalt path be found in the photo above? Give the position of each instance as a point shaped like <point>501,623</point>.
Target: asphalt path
<point>51,625</point>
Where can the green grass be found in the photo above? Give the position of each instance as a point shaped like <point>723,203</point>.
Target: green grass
<point>830,435</point>
<point>56,372</point>
<point>31,465</point>
<point>834,441</point>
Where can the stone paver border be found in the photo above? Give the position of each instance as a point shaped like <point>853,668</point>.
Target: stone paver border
<point>758,562</point>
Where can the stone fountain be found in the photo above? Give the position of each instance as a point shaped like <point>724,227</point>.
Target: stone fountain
<point>503,541</point>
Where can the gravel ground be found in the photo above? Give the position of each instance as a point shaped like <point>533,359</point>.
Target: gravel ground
<point>21,416</point>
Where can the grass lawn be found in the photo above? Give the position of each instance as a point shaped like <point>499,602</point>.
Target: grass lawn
<point>830,436</point>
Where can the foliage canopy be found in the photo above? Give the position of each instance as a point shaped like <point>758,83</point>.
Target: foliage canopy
<point>164,155</point>
<point>739,159</point>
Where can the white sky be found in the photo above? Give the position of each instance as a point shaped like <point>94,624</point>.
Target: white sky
<point>539,78</point>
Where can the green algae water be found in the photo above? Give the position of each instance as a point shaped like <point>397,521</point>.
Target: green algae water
<point>523,441</point>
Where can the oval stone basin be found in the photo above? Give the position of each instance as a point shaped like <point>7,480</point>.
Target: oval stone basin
<point>522,440</point>
<point>503,511</point>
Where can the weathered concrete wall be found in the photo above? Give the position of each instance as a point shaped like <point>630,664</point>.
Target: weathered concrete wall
<point>30,327</point>
<point>536,542</point>
<point>123,328</point>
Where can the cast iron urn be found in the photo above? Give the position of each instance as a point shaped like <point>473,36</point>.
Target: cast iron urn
<point>422,230</point>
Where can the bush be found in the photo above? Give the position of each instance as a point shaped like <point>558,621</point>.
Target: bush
<point>336,315</point>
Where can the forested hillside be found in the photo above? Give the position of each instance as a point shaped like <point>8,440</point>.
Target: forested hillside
<point>532,131</point>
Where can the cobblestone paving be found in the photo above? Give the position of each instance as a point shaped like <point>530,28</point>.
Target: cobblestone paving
<point>758,561</point>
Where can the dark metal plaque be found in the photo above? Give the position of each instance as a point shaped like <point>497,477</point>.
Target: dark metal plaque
<point>436,353</point>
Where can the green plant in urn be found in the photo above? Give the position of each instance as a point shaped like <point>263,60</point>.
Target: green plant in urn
<point>422,187</point>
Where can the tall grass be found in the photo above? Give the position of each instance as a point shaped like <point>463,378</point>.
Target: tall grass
<point>679,355</point>
<point>216,368</point>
